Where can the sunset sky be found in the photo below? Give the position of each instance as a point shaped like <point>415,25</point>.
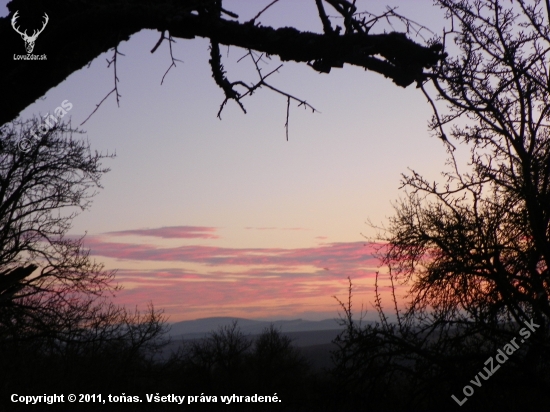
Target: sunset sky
<point>208,217</point>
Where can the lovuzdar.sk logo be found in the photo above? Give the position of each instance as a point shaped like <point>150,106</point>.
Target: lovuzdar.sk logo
<point>29,40</point>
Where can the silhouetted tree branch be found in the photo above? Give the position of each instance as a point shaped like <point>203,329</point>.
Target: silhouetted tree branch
<point>96,26</point>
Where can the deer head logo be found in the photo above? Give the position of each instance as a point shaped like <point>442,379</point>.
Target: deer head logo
<point>29,40</point>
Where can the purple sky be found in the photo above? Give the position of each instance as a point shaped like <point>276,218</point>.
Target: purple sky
<point>226,218</point>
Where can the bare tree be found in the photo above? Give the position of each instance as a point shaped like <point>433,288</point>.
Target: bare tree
<point>474,251</point>
<point>477,249</point>
<point>59,329</point>
<point>50,289</point>
<point>39,191</point>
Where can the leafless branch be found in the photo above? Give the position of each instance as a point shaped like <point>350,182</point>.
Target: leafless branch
<point>442,134</point>
<point>327,27</point>
<point>219,75</point>
<point>253,20</point>
<point>97,106</point>
<point>174,60</point>
<point>113,62</point>
<point>287,116</point>
<point>154,49</point>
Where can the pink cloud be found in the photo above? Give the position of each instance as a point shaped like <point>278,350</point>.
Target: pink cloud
<point>242,282</point>
<point>332,255</point>
<point>213,290</point>
<point>171,232</point>
<point>269,279</point>
<point>185,296</point>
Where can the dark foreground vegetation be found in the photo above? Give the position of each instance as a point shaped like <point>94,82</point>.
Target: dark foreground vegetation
<point>369,373</point>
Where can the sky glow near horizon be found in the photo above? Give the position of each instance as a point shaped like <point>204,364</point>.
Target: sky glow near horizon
<point>204,217</point>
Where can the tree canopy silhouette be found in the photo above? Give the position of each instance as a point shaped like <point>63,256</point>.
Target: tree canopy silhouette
<point>55,307</point>
<point>474,250</point>
<point>97,26</point>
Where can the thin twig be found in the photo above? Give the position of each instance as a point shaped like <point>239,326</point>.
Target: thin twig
<point>287,116</point>
<point>221,80</point>
<point>174,60</point>
<point>443,136</point>
<point>219,75</point>
<point>263,83</point>
<point>97,107</point>
<point>395,301</point>
<point>253,20</point>
<point>288,96</point>
<point>113,61</point>
<point>378,304</point>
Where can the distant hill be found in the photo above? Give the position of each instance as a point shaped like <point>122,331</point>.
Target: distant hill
<point>195,329</point>
<point>313,338</point>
